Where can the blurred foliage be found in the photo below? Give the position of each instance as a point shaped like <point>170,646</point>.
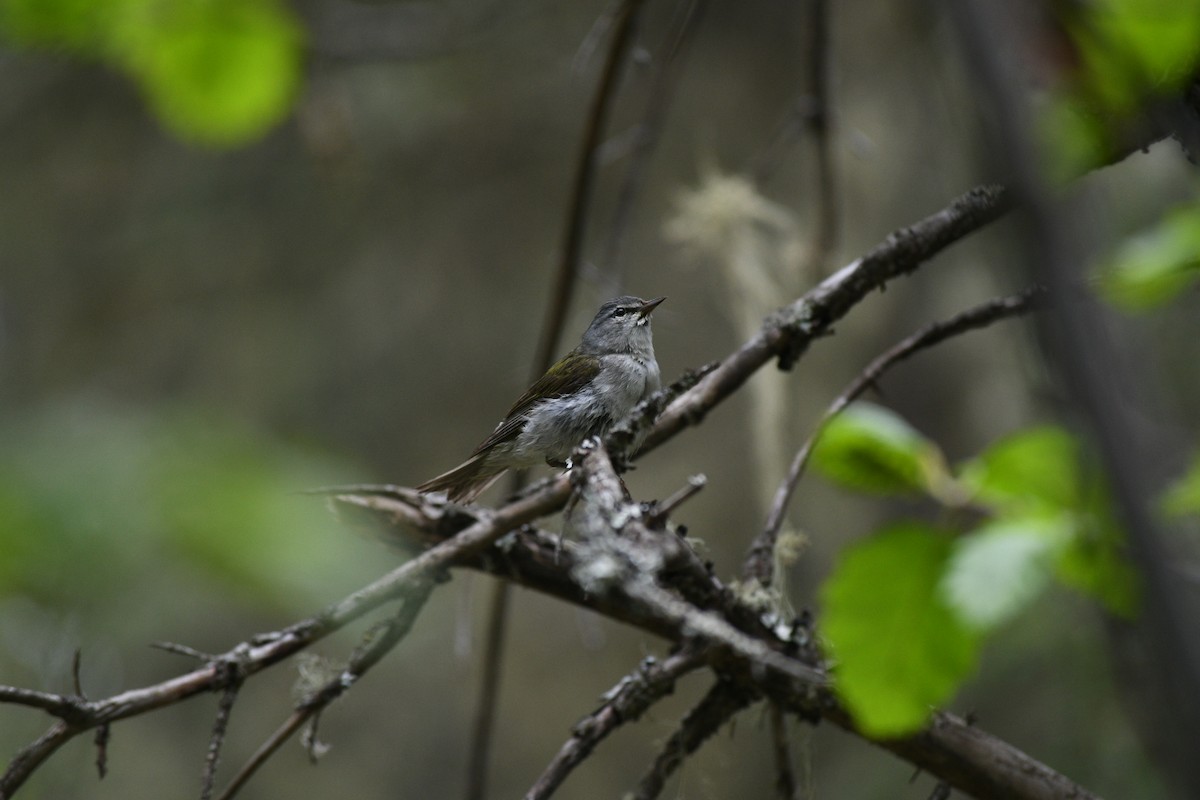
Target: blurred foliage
<point>873,450</point>
<point>1183,498</point>
<point>999,569</point>
<point>1133,47</point>
<point>215,72</point>
<point>931,594</point>
<point>1116,55</point>
<point>88,495</point>
<point>1034,472</point>
<point>1156,266</point>
<point>899,647</point>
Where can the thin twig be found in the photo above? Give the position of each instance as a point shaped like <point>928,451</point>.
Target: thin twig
<point>213,755</point>
<point>101,741</point>
<point>184,650</point>
<point>706,718</point>
<point>760,558</point>
<point>668,68</point>
<point>624,25</point>
<point>816,119</point>
<point>664,508</point>
<point>625,702</point>
<point>311,738</point>
<point>75,663</point>
<point>809,113</point>
<point>785,778</point>
<point>265,751</point>
<point>31,756</point>
<point>592,39</point>
<point>380,641</point>
<point>483,726</point>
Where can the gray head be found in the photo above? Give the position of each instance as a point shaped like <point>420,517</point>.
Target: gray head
<point>621,325</point>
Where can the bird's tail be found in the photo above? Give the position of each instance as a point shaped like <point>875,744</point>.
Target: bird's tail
<point>465,482</point>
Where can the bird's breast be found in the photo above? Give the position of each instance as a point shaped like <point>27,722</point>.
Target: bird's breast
<point>554,427</point>
<point>624,381</point>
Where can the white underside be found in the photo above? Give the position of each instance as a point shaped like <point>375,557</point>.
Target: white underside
<point>555,427</point>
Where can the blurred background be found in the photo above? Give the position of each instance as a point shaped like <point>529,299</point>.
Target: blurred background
<point>195,326</point>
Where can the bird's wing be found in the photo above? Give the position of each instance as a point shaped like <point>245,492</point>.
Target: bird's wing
<point>568,376</point>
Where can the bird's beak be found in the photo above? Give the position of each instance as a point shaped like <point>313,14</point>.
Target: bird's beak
<point>645,308</point>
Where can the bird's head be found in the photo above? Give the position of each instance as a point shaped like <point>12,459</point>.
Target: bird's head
<point>622,325</point>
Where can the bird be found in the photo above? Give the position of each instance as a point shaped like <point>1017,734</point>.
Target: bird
<point>594,386</point>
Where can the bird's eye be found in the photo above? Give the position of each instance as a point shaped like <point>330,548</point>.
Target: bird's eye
<point>620,312</point>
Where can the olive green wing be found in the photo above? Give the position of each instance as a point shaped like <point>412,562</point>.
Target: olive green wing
<point>568,376</point>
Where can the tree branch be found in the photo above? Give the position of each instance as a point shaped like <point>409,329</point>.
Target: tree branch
<point>62,706</point>
<point>379,641</point>
<point>625,702</point>
<point>789,332</point>
<point>785,778</point>
<point>966,756</point>
<point>975,762</point>
<point>213,756</point>
<point>264,651</point>
<point>464,536</point>
<point>30,757</point>
<point>706,718</point>
<point>760,558</point>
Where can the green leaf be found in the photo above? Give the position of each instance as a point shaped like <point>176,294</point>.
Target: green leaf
<point>900,649</point>
<point>1031,471</point>
<point>1124,56</point>
<point>871,449</point>
<point>80,25</point>
<point>1154,267</point>
<point>1093,564</point>
<point>1031,476</point>
<point>216,72</point>
<point>1144,44</point>
<point>1183,498</point>
<point>999,569</point>
<point>1074,137</point>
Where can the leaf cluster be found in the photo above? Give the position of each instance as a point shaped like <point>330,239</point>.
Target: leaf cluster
<point>908,608</point>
